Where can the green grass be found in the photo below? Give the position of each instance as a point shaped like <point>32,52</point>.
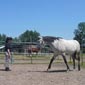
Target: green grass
<point>21,57</point>
<point>1,56</point>
<point>83,65</point>
<point>37,57</point>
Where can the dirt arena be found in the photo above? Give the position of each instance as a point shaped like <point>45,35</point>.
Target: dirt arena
<point>36,74</point>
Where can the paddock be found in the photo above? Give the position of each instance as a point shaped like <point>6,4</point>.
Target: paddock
<point>36,74</point>
<point>32,70</point>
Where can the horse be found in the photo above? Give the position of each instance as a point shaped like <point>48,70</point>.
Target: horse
<point>62,47</point>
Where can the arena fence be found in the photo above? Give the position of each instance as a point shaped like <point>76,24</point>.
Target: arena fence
<point>21,55</point>
<point>40,58</point>
<point>21,58</point>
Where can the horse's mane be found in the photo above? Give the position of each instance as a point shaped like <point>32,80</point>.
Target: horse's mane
<point>50,38</point>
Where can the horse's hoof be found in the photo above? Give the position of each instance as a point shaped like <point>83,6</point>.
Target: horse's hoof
<point>68,70</point>
<point>48,69</point>
<point>79,69</point>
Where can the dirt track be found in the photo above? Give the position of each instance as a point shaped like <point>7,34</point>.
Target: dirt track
<point>35,74</point>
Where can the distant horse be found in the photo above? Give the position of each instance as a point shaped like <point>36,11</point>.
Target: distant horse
<point>62,47</point>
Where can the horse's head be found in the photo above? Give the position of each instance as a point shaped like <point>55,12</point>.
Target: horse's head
<point>41,41</point>
<point>45,40</point>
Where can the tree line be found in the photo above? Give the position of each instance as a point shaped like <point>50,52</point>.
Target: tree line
<point>80,33</point>
<point>27,36</point>
<point>32,36</point>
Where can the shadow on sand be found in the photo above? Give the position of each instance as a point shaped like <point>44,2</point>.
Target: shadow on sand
<point>52,71</point>
<point>2,69</point>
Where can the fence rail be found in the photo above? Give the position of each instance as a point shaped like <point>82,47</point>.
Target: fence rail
<point>40,58</point>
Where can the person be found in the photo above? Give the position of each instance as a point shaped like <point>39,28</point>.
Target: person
<point>8,50</point>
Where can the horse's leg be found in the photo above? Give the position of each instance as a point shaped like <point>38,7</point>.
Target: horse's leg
<point>65,61</point>
<point>79,61</point>
<point>73,57</point>
<point>73,63</point>
<point>51,62</point>
<point>77,57</point>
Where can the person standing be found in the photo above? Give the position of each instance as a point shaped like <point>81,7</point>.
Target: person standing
<point>8,50</point>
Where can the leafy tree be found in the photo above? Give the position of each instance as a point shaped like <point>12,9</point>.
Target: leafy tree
<point>16,39</point>
<point>2,37</point>
<point>29,36</point>
<point>80,33</point>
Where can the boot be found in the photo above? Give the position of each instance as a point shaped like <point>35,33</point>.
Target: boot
<point>7,69</point>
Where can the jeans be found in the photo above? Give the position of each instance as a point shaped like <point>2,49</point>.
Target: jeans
<point>7,60</point>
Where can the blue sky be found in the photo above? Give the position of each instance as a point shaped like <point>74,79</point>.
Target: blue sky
<point>48,17</point>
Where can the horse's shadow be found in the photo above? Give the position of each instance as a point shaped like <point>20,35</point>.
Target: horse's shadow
<point>51,71</point>
<point>56,71</point>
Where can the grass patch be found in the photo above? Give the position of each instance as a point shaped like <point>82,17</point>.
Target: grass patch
<point>83,65</point>
<point>24,57</point>
<point>45,59</point>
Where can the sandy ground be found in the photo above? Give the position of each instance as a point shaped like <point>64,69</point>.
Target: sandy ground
<point>36,74</point>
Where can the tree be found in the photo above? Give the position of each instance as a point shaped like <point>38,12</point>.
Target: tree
<point>80,33</point>
<point>2,37</point>
<point>29,36</point>
<point>16,39</point>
